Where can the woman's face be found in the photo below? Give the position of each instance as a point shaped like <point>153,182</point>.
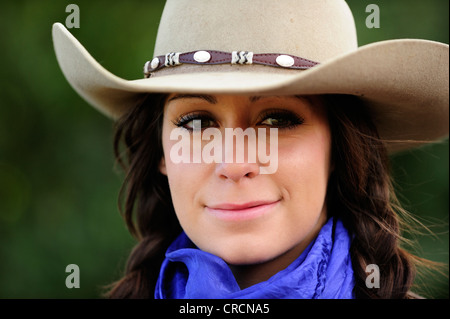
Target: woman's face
<point>231,209</point>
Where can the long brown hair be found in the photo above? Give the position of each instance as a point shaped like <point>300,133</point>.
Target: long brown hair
<point>360,193</point>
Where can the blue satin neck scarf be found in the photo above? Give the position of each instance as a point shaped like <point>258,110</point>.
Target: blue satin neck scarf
<point>322,271</point>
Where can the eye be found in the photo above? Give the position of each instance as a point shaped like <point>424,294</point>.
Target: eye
<point>193,121</point>
<point>282,119</point>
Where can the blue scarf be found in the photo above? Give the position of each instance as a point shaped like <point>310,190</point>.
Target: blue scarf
<point>322,271</point>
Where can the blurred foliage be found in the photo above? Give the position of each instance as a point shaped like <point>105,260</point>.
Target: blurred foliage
<point>58,180</point>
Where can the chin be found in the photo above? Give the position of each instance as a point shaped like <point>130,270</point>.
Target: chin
<point>244,259</point>
<point>249,255</point>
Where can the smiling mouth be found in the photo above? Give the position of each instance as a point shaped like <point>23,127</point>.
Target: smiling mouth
<point>241,212</point>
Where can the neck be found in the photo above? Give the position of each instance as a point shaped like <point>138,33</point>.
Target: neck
<point>249,275</point>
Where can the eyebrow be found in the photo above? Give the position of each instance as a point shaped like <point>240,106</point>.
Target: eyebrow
<point>213,100</point>
<point>299,97</point>
<point>208,98</point>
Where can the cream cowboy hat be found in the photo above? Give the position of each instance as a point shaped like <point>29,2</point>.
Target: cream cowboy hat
<point>287,47</point>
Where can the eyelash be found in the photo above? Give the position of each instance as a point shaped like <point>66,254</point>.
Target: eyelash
<point>183,120</point>
<point>293,119</point>
<point>285,115</point>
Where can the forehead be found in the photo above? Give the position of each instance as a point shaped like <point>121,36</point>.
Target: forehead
<point>313,102</point>
<point>213,99</point>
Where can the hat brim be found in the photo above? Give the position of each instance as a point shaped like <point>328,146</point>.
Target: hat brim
<point>404,83</point>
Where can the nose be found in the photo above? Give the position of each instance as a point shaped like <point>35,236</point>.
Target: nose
<point>237,171</point>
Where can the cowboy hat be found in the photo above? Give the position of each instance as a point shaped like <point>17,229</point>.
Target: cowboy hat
<point>266,47</point>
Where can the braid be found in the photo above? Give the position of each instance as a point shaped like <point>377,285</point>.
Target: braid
<point>361,194</point>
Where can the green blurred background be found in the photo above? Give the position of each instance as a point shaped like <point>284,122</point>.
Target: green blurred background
<point>58,180</point>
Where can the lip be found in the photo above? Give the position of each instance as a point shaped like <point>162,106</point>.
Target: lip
<point>241,212</point>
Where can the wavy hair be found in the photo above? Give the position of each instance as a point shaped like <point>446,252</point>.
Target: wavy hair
<point>360,192</point>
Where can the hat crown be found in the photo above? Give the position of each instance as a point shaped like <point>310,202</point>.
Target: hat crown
<point>318,30</point>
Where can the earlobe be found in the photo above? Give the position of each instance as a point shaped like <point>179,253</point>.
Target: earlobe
<point>162,166</point>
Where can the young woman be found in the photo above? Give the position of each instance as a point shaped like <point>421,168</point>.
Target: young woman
<point>314,217</point>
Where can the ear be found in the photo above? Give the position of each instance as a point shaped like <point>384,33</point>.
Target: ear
<point>162,166</point>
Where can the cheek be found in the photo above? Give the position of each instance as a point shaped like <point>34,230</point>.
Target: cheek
<point>305,168</point>
<point>185,182</point>
<point>304,172</point>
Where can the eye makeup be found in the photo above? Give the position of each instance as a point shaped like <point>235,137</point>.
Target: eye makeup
<point>274,118</point>
<point>187,120</point>
<point>279,118</point>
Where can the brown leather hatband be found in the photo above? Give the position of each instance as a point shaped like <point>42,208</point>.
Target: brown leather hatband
<point>209,57</point>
